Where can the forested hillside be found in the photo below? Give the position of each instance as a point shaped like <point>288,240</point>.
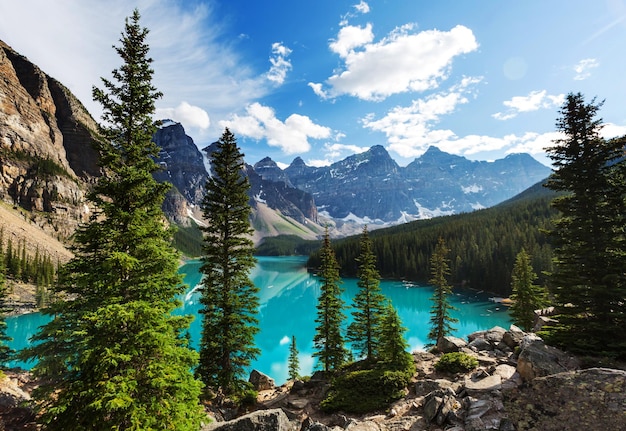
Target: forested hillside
<point>483,244</point>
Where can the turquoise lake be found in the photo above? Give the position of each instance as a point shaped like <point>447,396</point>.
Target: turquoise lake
<point>288,299</point>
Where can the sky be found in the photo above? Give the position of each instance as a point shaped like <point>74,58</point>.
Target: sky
<point>324,79</point>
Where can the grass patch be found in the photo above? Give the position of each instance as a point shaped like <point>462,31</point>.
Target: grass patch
<point>456,362</point>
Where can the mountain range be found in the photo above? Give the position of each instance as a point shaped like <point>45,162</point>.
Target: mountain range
<point>366,188</point>
<point>48,163</point>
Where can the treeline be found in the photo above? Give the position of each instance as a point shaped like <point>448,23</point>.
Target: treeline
<point>483,244</point>
<point>18,265</point>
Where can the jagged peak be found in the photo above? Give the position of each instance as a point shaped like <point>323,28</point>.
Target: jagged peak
<point>297,162</point>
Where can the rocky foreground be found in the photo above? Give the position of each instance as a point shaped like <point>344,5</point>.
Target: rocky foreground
<point>520,384</point>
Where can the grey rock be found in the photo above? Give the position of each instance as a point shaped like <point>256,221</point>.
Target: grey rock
<point>536,359</point>
<point>260,381</point>
<point>262,420</point>
<point>480,344</point>
<point>513,337</point>
<point>449,344</point>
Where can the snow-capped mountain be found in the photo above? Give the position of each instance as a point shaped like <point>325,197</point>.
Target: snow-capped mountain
<point>372,188</point>
<point>363,188</point>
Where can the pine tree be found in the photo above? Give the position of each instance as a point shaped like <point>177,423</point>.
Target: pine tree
<point>527,297</point>
<point>114,357</point>
<point>441,319</point>
<point>328,340</point>
<point>588,238</point>
<point>229,298</point>
<point>364,331</point>
<point>6,352</point>
<point>294,363</point>
<point>393,346</point>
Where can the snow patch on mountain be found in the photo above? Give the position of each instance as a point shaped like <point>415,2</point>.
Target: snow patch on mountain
<point>474,188</point>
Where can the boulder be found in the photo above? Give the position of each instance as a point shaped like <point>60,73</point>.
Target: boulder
<point>439,405</point>
<point>513,337</point>
<point>449,344</point>
<point>261,420</point>
<point>480,344</point>
<point>426,386</point>
<point>536,359</point>
<point>592,399</point>
<point>260,381</point>
<point>495,335</point>
<point>486,384</point>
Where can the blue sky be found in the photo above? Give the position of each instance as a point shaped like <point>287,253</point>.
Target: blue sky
<point>323,79</point>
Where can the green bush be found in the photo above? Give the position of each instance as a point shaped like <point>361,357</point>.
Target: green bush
<point>367,390</point>
<point>456,362</point>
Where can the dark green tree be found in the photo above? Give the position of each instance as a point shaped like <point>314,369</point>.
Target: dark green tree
<point>6,353</point>
<point>393,346</point>
<point>364,331</point>
<point>294,363</point>
<point>441,320</point>
<point>328,340</point>
<point>229,298</point>
<point>113,356</point>
<point>527,296</point>
<point>589,243</point>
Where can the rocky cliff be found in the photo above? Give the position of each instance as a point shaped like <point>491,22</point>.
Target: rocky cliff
<point>46,146</point>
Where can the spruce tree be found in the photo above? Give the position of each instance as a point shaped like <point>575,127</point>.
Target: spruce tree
<point>6,352</point>
<point>588,237</point>
<point>364,331</point>
<point>328,340</point>
<point>527,297</point>
<point>393,346</point>
<point>441,320</point>
<point>229,298</point>
<point>294,363</point>
<point>113,356</point>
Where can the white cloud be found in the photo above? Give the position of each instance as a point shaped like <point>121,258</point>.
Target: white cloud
<point>284,340</point>
<point>186,114</point>
<point>582,68</point>
<point>184,43</point>
<point>362,7</point>
<point>611,130</point>
<point>409,129</point>
<point>534,101</point>
<point>280,64</point>
<point>403,61</point>
<point>291,136</point>
<point>351,37</point>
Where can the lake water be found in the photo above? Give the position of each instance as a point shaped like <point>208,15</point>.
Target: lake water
<point>288,300</point>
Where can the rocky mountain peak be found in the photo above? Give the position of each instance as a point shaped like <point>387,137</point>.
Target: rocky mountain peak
<point>269,170</point>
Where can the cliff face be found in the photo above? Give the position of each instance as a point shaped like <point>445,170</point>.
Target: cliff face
<point>46,145</point>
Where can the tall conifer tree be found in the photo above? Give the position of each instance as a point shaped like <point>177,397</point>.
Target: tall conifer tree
<point>527,296</point>
<point>589,239</point>
<point>113,356</point>
<point>294,363</point>
<point>393,346</point>
<point>441,320</point>
<point>229,298</point>
<point>328,340</point>
<point>5,351</point>
<point>365,330</point>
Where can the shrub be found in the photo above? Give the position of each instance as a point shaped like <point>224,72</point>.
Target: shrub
<point>456,362</point>
<point>366,390</point>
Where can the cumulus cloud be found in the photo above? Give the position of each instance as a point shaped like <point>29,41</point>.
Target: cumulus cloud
<point>362,7</point>
<point>583,68</point>
<point>184,43</point>
<point>351,37</point>
<point>410,129</point>
<point>187,115</point>
<point>534,101</point>
<point>403,61</point>
<point>291,136</point>
<point>280,64</point>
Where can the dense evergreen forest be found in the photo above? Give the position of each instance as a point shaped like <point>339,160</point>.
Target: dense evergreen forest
<point>18,265</point>
<point>483,244</point>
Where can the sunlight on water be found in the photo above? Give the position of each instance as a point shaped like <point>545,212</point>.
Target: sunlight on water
<point>288,300</point>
